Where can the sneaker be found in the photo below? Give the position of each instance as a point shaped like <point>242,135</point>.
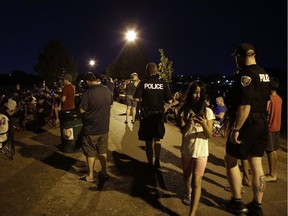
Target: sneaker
<point>255,209</point>
<point>157,163</point>
<point>103,177</point>
<point>187,199</point>
<point>236,206</point>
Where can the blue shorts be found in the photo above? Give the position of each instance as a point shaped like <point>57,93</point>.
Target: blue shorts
<point>130,101</point>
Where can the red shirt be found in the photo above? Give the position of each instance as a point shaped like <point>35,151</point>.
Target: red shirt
<point>275,111</point>
<point>69,92</point>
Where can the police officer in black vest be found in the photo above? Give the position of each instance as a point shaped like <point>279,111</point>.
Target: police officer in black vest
<point>247,104</point>
<point>153,93</point>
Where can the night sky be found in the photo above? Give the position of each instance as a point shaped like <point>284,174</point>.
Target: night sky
<point>198,37</point>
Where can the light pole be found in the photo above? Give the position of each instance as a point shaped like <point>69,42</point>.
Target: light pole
<point>92,63</point>
<point>131,36</point>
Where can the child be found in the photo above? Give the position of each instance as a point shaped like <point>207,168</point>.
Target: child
<point>274,125</point>
<point>196,127</point>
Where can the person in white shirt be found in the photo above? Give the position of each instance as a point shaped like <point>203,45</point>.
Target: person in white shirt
<point>196,128</point>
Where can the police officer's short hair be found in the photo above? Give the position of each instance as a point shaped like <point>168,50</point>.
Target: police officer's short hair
<point>150,66</point>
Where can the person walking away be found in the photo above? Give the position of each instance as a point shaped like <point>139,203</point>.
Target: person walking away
<point>274,125</point>
<point>152,92</point>
<point>95,108</point>
<point>196,128</point>
<point>130,103</point>
<point>248,98</point>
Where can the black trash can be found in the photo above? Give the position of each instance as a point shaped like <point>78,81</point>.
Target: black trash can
<point>71,130</point>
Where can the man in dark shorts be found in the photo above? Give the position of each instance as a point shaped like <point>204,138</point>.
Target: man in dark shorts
<point>95,107</point>
<point>247,100</point>
<point>152,92</point>
<point>274,125</point>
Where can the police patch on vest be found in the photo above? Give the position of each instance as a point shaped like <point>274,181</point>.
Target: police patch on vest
<point>245,80</point>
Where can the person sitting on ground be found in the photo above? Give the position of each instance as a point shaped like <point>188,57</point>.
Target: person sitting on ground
<point>171,110</point>
<point>42,112</point>
<point>8,107</point>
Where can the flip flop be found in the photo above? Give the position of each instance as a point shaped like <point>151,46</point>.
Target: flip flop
<point>269,179</point>
<point>86,178</point>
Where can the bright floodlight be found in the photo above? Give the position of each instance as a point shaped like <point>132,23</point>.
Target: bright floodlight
<point>130,35</point>
<point>92,63</point>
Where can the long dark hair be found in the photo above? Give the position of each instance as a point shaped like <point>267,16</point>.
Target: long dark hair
<point>199,107</point>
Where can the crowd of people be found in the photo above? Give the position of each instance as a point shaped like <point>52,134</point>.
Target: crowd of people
<point>251,98</point>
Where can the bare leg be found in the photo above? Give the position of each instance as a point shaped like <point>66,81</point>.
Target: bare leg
<point>103,162</point>
<point>133,114</point>
<point>187,171</point>
<point>233,175</point>
<point>91,163</point>
<point>246,178</point>
<point>56,110</point>
<point>272,160</point>
<point>258,178</point>
<point>196,194</point>
<point>128,111</point>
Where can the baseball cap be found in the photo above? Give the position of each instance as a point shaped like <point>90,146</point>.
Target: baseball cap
<point>68,77</point>
<point>244,49</point>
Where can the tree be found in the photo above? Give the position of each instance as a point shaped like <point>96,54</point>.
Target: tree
<point>54,61</point>
<point>165,67</point>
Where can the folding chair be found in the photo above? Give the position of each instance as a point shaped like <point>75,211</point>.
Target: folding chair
<point>221,129</point>
<point>7,148</point>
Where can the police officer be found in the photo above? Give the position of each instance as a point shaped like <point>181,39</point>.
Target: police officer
<point>247,105</point>
<point>152,92</point>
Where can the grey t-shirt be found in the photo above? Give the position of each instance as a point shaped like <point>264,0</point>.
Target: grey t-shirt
<point>96,101</point>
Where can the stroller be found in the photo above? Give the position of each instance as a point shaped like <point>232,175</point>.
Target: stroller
<point>6,138</point>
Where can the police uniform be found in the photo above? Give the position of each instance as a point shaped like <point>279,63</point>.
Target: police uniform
<point>251,87</point>
<point>153,92</point>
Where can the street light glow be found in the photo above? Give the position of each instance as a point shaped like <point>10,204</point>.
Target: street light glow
<point>92,62</point>
<point>131,35</point>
